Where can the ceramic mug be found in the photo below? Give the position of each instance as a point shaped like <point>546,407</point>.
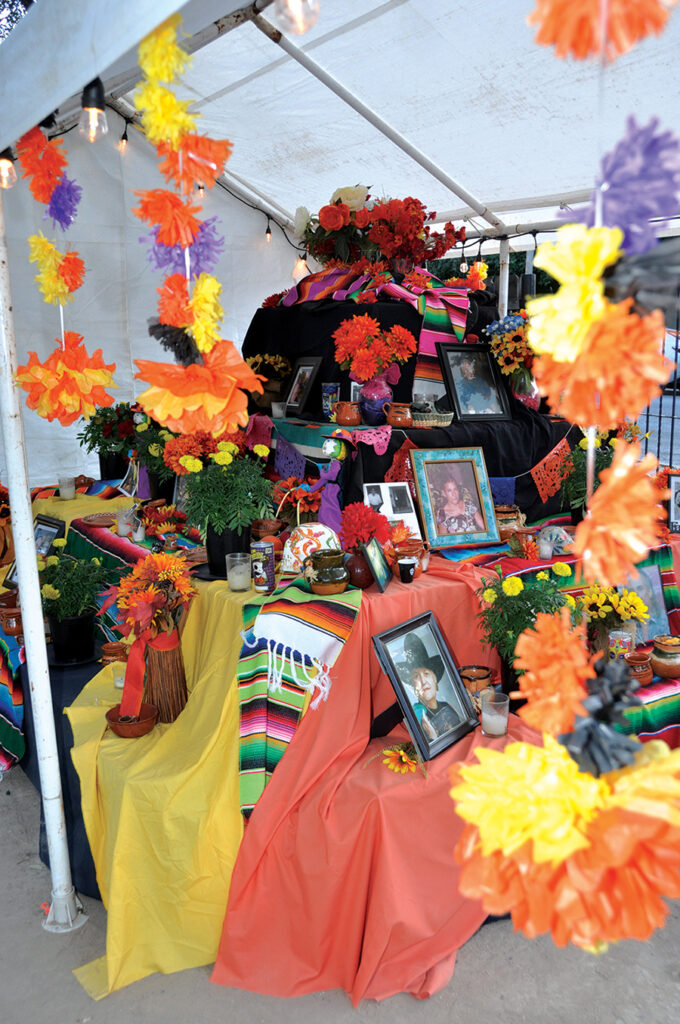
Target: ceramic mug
<point>407,568</point>
<point>347,414</point>
<point>398,414</point>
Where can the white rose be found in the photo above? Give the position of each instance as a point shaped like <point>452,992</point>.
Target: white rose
<point>302,218</point>
<point>355,196</point>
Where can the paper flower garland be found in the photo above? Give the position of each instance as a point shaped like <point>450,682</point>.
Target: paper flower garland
<point>69,384</point>
<point>59,274</point>
<point>623,518</point>
<point>43,162</point>
<point>573,26</point>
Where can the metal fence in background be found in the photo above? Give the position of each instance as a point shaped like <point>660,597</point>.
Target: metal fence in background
<point>661,419</point>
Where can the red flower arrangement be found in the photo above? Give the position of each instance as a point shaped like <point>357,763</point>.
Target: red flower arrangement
<point>359,523</point>
<point>363,347</point>
<point>295,491</point>
<point>397,227</point>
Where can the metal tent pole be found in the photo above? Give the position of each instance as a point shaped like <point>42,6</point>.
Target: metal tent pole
<point>66,912</point>
<point>503,274</point>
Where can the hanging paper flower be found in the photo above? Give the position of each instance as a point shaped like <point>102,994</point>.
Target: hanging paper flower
<point>69,384</point>
<point>72,271</point>
<point>63,204</point>
<point>197,159</point>
<point>204,252</point>
<point>159,55</point>
<point>198,397</point>
<point>602,387</point>
<point>573,27</point>
<point>164,117</point>
<point>556,667</point>
<point>175,218</point>
<point>623,518</point>
<point>59,274</point>
<point>206,312</point>
<point>173,304</point>
<point>42,161</point>
<point>640,182</point>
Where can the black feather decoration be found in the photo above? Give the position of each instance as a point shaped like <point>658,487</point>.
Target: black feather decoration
<point>175,340</point>
<point>651,279</point>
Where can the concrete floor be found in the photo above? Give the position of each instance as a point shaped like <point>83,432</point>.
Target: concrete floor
<point>500,976</point>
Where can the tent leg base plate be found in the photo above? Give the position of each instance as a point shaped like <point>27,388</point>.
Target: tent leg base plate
<point>66,914</point>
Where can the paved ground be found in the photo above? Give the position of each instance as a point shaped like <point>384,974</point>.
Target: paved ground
<point>500,976</point>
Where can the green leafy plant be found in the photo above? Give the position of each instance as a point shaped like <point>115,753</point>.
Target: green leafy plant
<point>573,489</point>
<point>229,494</point>
<point>510,604</point>
<point>69,586</point>
<point>149,443</point>
<point>111,430</point>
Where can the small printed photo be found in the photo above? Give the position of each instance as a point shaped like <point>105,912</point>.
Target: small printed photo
<point>394,501</point>
<point>401,500</point>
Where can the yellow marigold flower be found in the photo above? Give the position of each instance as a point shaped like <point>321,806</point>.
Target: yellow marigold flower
<point>52,560</point>
<point>191,463</point>
<point>49,592</point>
<point>489,595</point>
<point>561,569</point>
<point>165,434</point>
<point>223,458</point>
<point>542,575</point>
<point>155,450</point>
<point>583,443</point>
<point>570,600</point>
<point>60,542</point>
<point>97,561</point>
<point>141,427</point>
<point>227,446</point>
<point>512,586</point>
<point>261,450</point>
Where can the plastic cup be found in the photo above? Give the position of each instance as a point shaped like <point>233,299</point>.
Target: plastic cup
<point>407,569</point>
<point>239,570</point>
<point>495,708</point>
<point>118,674</point>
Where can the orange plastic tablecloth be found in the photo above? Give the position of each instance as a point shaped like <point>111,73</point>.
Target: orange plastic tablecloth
<point>345,876</point>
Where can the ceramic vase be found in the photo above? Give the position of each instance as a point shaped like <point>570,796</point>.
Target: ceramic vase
<point>374,395</point>
<point>359,571</point>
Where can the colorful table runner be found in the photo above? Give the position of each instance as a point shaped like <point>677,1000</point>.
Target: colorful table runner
<point>290,642</point>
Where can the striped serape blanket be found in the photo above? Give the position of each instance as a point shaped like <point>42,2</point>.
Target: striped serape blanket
<point>12,744</point>
<point>290,644</point>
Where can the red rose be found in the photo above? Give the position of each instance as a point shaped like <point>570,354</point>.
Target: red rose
<point>126,428</point>
<point>362,218</point>
<point>332,218</point>
<point>107,430</point>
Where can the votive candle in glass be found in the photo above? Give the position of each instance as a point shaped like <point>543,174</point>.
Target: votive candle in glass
<point>239,570</point>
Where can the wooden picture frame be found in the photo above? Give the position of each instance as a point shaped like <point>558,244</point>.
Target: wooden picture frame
<point>424,675</point>
<point>377,563</point>
<point>46,529</point>
<point>454,516</point>
<point>473,381</point>
<point>302,381</point>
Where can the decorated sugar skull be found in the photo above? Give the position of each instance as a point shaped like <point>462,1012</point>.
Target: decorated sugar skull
<point>554,537</point>
<point>302,542</point>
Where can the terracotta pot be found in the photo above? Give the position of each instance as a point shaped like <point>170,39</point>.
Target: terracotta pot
<point>665,656</point>
<point>347,414</point>
<point>409,549</point>
<point>360,575</point>
<point>475,677</point>
<point>398,414</point>
<point>640,665</point>
<point>137,727</point>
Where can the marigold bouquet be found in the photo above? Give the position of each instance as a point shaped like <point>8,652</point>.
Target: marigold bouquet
<point>295,493</point>
<point>514,355</point>
<point>510,604</point>
<point>359,523</point>
<point>607,608</point>
<point>152,594</point>
<point>364,348</point>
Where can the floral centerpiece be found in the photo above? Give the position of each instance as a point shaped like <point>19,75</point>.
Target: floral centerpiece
<point>295,498</point>
<point>338,230</point>
<point>514,355</point>
<point>359,523</point>
<point>150,439</point>
<point>372,354</point>
<point>110,432</point>
<point>399,229</point>
<point>510,605</point>
<point>69,587</point>
<point>606,608</point>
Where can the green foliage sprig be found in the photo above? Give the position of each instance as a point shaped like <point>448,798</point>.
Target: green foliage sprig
<point>573,488</point>
<point>69,586</point>
<point>230,495</point>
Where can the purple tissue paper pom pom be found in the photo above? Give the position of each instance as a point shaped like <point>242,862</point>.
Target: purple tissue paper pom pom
<point>63,204</point>
<point>204,252</point>
<point>640,180</point>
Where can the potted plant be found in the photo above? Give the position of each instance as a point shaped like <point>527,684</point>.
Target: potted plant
<point>573,494</point>
<point>110,432</point>
<point>606,608</point>
<point>149,442</point>
<point>69,588</point>
<point>226,489</point>
<point>372,355</point>
<point>359,523</point>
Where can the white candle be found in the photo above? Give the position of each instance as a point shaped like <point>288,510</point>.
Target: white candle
<point>238,576</point>
<point>494,723</point>
<point>67,488</point>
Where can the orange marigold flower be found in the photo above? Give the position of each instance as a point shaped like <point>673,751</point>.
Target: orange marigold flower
<point>600,388</point>
<point>573,26</point>
<point>622,522</point>
<point>70,383</point>
<point>364,365</point>
<point>173,304</point>
<point>197,159</point>
<point>177,224</point>
<point>556,667</point>
<point>210,396</point>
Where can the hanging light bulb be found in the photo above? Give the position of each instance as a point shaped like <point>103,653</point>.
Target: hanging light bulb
<point>300,270</point>
<point>463,266</point>
<point>8,175</point>
<point>268,232</point>
<point>93,123</point>
<point>296,16</point>
<point>122,145</point>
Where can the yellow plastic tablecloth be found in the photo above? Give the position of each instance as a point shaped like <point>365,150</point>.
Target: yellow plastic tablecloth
<point>162,811</point>
<point>81,505</point>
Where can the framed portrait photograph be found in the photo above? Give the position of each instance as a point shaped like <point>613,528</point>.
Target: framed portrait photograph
<point>394,501</point>
<point>304,375</point>
<point>473,382</point>
<point>649,588</point>
<point>46,530</point>
<point>378,564</point>
<point>674,503</point>
<point>456,505</point>
<point>423,673</point>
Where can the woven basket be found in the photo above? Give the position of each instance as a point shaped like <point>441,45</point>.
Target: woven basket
<point>432,418</point>
<point>165,682</point>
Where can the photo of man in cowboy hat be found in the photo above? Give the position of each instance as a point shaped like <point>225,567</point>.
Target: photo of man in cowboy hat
<point>423,673</point>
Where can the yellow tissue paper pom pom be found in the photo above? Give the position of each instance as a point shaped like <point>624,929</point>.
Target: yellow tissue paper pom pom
<point>164,117</point>
<point>580,253</point>
<point>160,57</point>
<point>207,312</point>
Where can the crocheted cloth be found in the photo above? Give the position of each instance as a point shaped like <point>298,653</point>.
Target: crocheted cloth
<point>290,644</point>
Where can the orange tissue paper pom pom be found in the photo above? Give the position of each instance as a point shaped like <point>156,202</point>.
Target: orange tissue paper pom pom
<point>175,218</point>
<point>173,305</point>
<point>573,26</point>
<point>70,383</point>
<point>42,161</point>
<point>72,271</point>
<point>210,396</point>
<point>197,159</point>
<point>623,519</point>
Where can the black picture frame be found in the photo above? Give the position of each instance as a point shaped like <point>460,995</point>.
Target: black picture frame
<point>46,529</point>
<point>302,381</point>
<point>481,396</point>
<point>377,563</point>
<point>399,651</point>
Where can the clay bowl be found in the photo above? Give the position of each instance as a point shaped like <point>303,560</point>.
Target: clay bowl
<point>114,651</point>
<point>148,713</point>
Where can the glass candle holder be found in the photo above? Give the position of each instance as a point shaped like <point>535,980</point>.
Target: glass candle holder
<point>239,570</point>
<point>495,708</point>
<point>67,488</point>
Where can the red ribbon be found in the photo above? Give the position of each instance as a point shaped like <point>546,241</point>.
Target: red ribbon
<point>133,687</point>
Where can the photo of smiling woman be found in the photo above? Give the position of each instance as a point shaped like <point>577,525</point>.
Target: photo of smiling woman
<point>455,498</point>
